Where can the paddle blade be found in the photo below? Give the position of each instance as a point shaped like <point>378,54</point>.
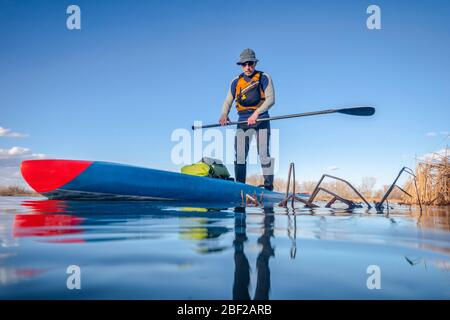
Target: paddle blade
<point>358,111</point>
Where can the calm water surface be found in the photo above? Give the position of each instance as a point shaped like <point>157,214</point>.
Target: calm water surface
<point>150,250</point>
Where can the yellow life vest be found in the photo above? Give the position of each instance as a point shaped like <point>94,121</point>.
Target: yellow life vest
<point>249,95</point>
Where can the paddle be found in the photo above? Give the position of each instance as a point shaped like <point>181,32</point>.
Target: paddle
<point>354,111</point>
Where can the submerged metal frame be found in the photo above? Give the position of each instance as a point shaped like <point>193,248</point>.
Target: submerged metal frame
<point>251,200</point>
<point>336,197</point>
<point>292,197</point>
<point>379,205</point>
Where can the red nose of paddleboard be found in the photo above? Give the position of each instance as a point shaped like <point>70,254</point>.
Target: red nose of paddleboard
<point>47,175</point>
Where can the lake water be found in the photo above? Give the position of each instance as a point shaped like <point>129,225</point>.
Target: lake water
<point>152,250</point>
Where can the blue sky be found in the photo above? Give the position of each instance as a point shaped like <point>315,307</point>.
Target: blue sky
<point>137,70</point>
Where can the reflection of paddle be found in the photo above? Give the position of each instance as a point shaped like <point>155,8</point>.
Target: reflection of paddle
<point>354,111</point>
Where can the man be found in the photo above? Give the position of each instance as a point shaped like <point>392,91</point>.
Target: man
<point>253,93</point>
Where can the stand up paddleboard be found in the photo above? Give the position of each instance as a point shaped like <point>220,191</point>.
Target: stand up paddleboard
<point>96,180</point>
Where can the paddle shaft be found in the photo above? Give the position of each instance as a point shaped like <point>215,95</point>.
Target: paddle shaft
<point>295,115</point>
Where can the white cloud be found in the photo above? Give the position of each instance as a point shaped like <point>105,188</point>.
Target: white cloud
<point>434,134</point>
<point>10,176</point>
<point>13,152</point>
<point>332,168</point>
<point>444,152</point>
<point>11,134</point>
<point>39,155</point>
<point>10,160</point>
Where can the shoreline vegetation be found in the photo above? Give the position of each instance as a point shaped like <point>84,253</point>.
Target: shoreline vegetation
<point>17,191</point>
<point>432,178</point>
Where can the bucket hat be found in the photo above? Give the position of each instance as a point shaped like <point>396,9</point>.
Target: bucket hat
<point>246,56</point>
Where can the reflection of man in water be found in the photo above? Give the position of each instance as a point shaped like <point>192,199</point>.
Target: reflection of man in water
<point>242,267</point>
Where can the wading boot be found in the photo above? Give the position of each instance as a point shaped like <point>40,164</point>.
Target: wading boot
<point>240,172</point>
<point>268,174</point>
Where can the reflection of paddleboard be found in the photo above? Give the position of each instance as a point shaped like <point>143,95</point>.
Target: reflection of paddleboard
<point>125,210</point>
<point>45,225</point>
<point>94,180</point>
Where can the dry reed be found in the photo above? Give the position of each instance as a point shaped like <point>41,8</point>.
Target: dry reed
<point>433,181</point>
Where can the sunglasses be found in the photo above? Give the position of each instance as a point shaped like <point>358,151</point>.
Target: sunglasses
<point>249,63</point>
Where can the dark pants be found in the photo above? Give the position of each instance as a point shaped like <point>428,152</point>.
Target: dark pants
<point>242,140</point>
